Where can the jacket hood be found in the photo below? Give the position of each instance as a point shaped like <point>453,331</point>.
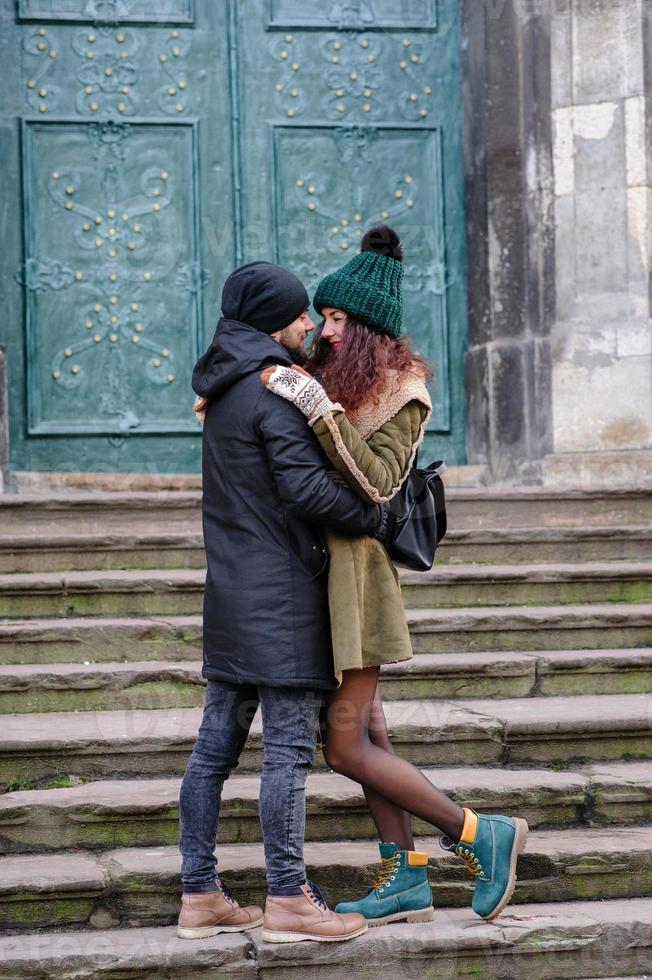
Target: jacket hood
<point>237,351</point>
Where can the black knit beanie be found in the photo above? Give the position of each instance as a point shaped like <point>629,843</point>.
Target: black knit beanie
<point>265,296</point>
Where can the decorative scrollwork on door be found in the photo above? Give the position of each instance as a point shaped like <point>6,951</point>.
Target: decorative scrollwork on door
<point>111,230</point>
<point>41,48</point>
<point>108,72</point>
<point>289,95</point>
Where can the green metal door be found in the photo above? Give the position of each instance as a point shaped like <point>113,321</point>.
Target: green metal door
<point>151,145</point>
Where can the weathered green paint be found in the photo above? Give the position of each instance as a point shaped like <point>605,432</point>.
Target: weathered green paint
<point>147,154</point>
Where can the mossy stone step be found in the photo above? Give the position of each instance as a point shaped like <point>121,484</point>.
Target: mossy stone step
<point>555,941</point>
<point>534,674</point>
<point>526,585</point>
<point>506,545</point>
<point>527,628</point>
<point>119,593</point>
<point>116,550</point>
<point>490,629</point>
<point>140,886</point>
<point>482,507</point>
<point>108,550</point>
<point>161,684</point>
<point>173,592</point>
<point>139,812</point>
<point>510,731</point>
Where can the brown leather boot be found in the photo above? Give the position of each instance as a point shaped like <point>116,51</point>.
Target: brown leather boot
<point>295,918</point>
<point>206,914</point>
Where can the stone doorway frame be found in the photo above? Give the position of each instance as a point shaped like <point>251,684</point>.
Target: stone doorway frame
<point>508,178</point>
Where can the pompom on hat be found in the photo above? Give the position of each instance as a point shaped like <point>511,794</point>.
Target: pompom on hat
<point>370,286</point>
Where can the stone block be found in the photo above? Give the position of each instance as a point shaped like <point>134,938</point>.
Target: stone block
<point>476,371</point>
<point>606,50</point>
<point>541,373</point>
<point>561,55</point>
<point>635,145</point>
<point>617,800</point>
<point>563,151</point>
<point>508,379</point>
<point>564,210</point>
<point>506,253</point>
<point>132,953</point>
<point>623,468</point>
<point>600,199</point>
<point>4,421</point>
<point>639,224</point>
<point>634,338</point>
<point>602,404</point>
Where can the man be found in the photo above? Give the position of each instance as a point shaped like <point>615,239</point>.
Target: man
<point>266,622</point>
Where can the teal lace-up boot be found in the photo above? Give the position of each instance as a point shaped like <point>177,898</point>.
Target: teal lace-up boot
<point>489,847</point>
<point>400,892</point>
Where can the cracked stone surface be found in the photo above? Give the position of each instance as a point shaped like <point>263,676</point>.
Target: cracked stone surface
<point>574,927</point>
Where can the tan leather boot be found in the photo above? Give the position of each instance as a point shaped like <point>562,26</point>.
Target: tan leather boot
<point>207,913</point>
<point>295,918</point>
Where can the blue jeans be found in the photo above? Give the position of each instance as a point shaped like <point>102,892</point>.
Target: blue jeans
<point>290,724</point>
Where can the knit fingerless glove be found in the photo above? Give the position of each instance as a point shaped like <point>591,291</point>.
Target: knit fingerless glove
<point>304,391</point>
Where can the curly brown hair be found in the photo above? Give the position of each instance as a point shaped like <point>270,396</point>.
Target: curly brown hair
<point>357,370</point>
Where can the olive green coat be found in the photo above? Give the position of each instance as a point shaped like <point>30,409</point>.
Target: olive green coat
<point>368,623</point>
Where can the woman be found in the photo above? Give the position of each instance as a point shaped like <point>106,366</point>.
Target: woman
<point>370,431</point>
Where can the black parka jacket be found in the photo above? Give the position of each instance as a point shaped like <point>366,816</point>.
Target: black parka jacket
<point>266,494</point>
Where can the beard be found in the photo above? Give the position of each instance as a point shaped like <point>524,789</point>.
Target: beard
<point>296,352</point>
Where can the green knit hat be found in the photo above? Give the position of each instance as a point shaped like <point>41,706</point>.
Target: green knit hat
<point>369,287</point>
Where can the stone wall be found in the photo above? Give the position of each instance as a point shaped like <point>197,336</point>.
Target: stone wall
<point>4,423</point>
<point>601,86</point>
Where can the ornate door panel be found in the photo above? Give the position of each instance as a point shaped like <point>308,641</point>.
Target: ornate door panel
<point>120,306</point>
<point>149,146</point>
<point>351,114</point>
<point>122,179</point>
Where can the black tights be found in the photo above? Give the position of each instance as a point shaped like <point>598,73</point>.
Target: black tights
<point>357,745</point>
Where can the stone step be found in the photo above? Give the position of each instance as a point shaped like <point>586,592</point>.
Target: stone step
<point>506,545</point>
<point>576,627</point>
<point>111,550</point>
<point>179,592</point>
<point>101,512</point>
<point>120,593</point>
<point>140,886</point>
<point>124,550</point>
<point>144,812</point>
<point>482,507</point>
<point>514,731</point>
<point>555,941</point>
<point>161,684</point>
<point>452,586</point>
<point>176,638</point>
